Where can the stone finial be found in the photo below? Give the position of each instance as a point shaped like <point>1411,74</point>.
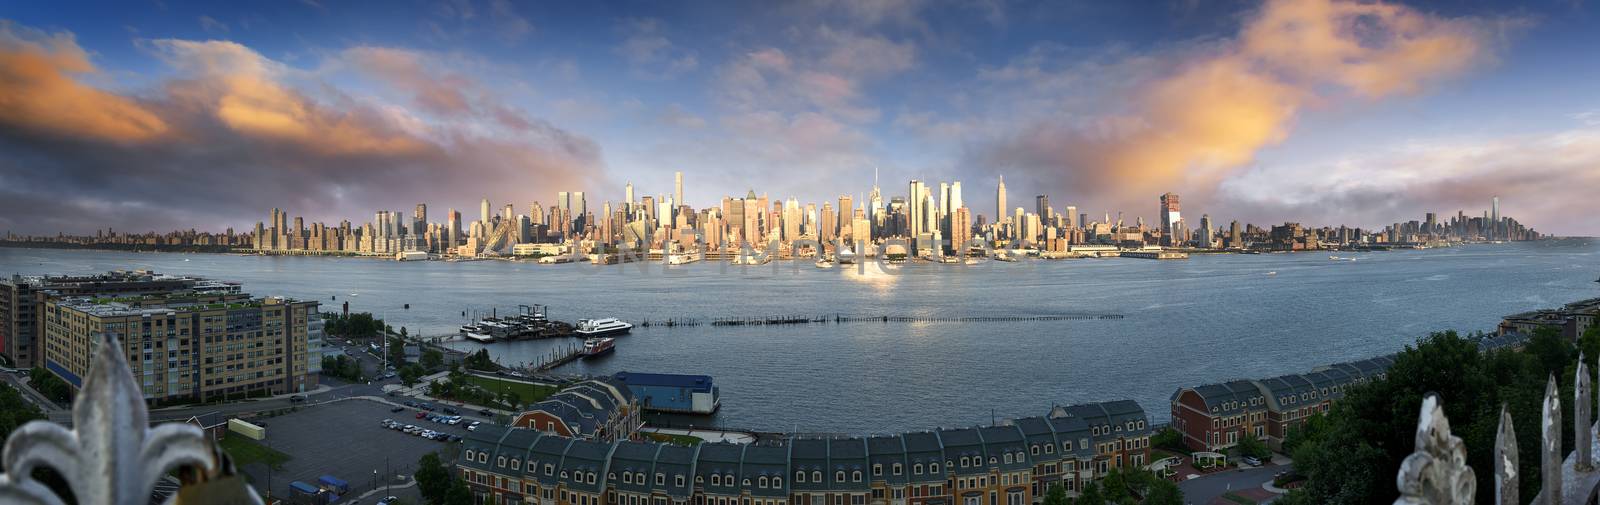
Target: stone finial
<point>1436,472</point>
<point>1550,448</point>
<point>112,455</point>
<point>1505,461</point>
<point>1583,453</point>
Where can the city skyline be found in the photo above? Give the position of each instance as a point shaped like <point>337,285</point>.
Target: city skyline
<point>240,108</point>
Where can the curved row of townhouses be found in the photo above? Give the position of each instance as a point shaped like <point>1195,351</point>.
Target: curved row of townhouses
<point>1008,464</point>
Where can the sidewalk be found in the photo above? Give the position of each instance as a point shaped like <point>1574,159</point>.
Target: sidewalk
<point>706,435</point>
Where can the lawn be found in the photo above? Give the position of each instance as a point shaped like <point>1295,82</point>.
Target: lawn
<point>246,452</point>
<point>1238,499</point>
<point>528,393</point>
<point>674,439</point>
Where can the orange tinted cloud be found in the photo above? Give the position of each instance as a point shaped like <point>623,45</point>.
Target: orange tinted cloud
<point>38,91</point>
<point>242,89</point>
<point>1191,128</point>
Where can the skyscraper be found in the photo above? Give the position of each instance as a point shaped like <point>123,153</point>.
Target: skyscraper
<point>1169,217</point>
<point>1000,202</point>
<point>918,192</point>
<point>1041,206</point>
<point>628,194</point>
<point>419,219</point>
<point>1494,219</point>
<point>677,179</point>
<point>483,212</point>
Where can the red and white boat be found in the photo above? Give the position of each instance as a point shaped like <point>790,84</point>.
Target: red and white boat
<point>596,347</point>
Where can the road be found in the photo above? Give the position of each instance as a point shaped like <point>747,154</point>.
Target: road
<point>1203,490</point>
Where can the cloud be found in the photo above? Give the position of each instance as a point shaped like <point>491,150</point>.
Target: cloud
<point>1191,117</point>
<point>234,133</point>
<point>211,25</point>
<point>650,54</point>
<point>1545,181</point>
<point>42,96</point>
<point>404,69</point>
<point>510,26</point>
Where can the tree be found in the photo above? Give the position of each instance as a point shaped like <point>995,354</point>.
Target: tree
<point>432,359</point>
<point>49,385</point>
<point>480,361</point>
<point>458,494</point>
<point>1091,495</point>
<point>14,410</point>
<point>1353,454</point>
<point>1251,446</point>
<point>1169,439</point>
<point>409,374</point>
<point>1057,495</point>
<point>1163,492</point>
<point>397,352</point>
<point>433,479</point>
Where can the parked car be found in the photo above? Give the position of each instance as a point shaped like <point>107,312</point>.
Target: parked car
<point>426,406</point>
<point>297,398</point>
<point>472,428</point>
<point>1252,461</point>
<point>421,415</point>
<point>450,411</point>
<point>409,403</point>
<point>390,500</point>
<point>397,409</point>
<point>485,412</point>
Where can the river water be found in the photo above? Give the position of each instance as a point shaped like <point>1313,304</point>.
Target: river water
<point>1209,318</point>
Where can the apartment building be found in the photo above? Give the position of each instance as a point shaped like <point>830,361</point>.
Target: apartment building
<point>187,345</point>
<point>1011,463</point>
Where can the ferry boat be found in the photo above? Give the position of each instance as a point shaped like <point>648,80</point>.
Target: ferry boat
<point>601,327</point>
<point>596,347</point>
<point>684,258</point>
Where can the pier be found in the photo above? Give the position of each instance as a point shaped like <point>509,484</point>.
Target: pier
<point>558,357</point>
<point>842,319</point>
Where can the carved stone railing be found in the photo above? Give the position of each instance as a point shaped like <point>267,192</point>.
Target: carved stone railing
<point>1437,472</point>
<point>112,456</point>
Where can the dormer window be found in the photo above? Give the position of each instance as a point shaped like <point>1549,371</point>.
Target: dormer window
<point>716,480</point>
<point>678,480</point>
<point>838,476</point>
<point>799,476</point>
<point>777,482</point>
<point>896,469</point>
<point>916,469</point>
<point>627,478</point>
<point>762,482</point>
<point>877,470</point>
<point>1008,458</point>
<point>816,476</point>
<point>855,476</point>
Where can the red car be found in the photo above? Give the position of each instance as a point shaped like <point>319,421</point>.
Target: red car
<point>420,414</point>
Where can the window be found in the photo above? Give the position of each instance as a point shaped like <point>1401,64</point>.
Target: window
<point>855,476</point>
<point>816,476</point>
<point>933,468</point>
<point>762,481</point>
<point>627,478</point>
<point>1008,458</point>
<point>877,470</point>
<point>516,465</point>
<point>1049,448</point>
<point>799,476</point>
<point>483,457</point>
<point>678,480</point>
<point>992,460</point>
<point>896,469</point>
<point>1034,450</point>
<point>716,480</point>
<point>777,482</point>
<point>469,454</point>
<point>916,469</point>
<point>838,476</point>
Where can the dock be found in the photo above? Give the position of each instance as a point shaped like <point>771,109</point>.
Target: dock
<point>558,357</point>
<point>843,319</point>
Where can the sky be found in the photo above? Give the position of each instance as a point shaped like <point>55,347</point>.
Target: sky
<point>147,115</point>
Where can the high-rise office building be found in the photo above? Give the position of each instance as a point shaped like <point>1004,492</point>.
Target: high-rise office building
<point>419,219</point>
<point>1041,206</point>
<point>917,193</point>
<point>1494,220</point>
<point>1000,202</point>
<point>628,194</point>
<point>677,183</point>
<point>483,213</point>
<point>1169,217</point>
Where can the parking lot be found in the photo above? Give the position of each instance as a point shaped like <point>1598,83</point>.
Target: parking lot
<point>345,439</point>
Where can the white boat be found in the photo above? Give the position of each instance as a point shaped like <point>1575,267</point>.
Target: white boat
<point>601,327</point>
<point>824,264</point>
<point>683,258</point>
<point>479,337</point>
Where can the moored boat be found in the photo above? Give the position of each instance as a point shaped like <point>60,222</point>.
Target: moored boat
<point>601,327</point>
<point>595,347</point>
